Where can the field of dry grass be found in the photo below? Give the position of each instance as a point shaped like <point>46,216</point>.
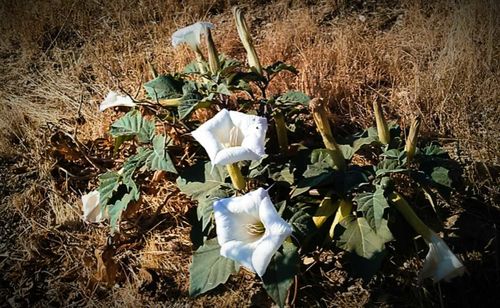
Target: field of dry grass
<point>59,58</point>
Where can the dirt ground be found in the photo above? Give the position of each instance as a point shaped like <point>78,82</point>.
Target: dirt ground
<point>59,58</point>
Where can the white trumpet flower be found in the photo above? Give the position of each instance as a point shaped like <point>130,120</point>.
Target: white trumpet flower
<point>191,35</point>
<point>249,230</point>
<point>232,136</point>
<point>113,99</point>
<point>440,262</point>
<point>91,209</point>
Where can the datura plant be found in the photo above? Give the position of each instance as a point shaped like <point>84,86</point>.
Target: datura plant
<point>269,175</point>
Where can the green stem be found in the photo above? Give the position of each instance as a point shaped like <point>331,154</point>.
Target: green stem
<point>405,209</point>
<point>236,177</point>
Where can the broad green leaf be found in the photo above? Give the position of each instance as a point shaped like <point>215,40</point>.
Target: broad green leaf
<point>209,268</point>
<point>134,162</point>
<point>280,273</point>
<point>360,237</point>
<point>190,100</point>
<point>361,142</point>
<point>204,185</point>
<point>108,184</point>
<point>347,151</point>
<point>294,97</point>
<point>280,66</point>
<point>301,220</point>
<point>164,86</point>
<point>352,178</point>
<point>373,205</point>
<point>389,166</point>
<point>115,210</point>
<point>433,150</point>
<point>133,124</point>
<point>159,158</point>
<point>441,176</point>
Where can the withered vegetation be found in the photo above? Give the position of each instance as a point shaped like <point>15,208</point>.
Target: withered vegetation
<point>59,58</point>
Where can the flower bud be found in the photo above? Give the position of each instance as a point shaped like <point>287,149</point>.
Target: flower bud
<point>246,39</point>
<point>344,210</point>
<point>213,57</point>
<point>319,112</point>
<point>411,141</point>
<point>382,128</point>
<point>279,122</point>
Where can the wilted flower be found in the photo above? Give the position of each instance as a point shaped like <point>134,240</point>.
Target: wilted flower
<point>191,35</point>
<point>249,230</point>
<point>113,99</point>
<point>91,209</point>
<point>440,262</point>
<point>232,136</point>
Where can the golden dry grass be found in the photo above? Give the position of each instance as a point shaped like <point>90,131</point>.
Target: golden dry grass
<point>439,60</point>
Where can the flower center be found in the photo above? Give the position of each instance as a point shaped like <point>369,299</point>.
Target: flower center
<point>255,229</point>
<point>234,135</point>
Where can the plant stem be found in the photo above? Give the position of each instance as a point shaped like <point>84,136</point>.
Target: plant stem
<point>236,177</point>
<point>319,114</point>
<point>279,122</point>
<point>405,209</point>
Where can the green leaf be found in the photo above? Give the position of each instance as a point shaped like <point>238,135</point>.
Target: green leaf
<point>133,124</point>
<point>361,142</point>
<point>373,205</point>
<point>164,86</point>
<point>280,273</point>
<point>159,158</point>
<point>318,172</point>
<point>389,166</point>
<point>115,210</point>
<point>441,176</point>
<point>294,98</point>
<point>190,100</point>
<point>134,162</point>
<point>204,185</point>
<point>360,237</point>
<point>280,66</point>
<point>209,268</point>
<point>108,184</point>
<point>347,151</point>
<point>433,150</point>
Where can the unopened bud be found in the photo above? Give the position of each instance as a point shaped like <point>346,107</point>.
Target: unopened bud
<point>213,57</point>
<point>246,39</point>
<point>319,112</point>
<point>411,141</point>
<point>382,128</point>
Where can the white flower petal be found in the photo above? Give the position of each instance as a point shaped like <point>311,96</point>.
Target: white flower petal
<point>265,250</point>
<point>233,155</point>
<point>190,34</point>
<point>91,208</point>
<point>239,251</point>
<point>234,219</point>
<point>440,262</point>
<point>113,99</point>
<point>232,136</point>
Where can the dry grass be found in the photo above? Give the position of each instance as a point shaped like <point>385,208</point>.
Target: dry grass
<point>59,58</point>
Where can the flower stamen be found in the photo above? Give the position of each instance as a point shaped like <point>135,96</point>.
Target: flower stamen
<point>255,229</point>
